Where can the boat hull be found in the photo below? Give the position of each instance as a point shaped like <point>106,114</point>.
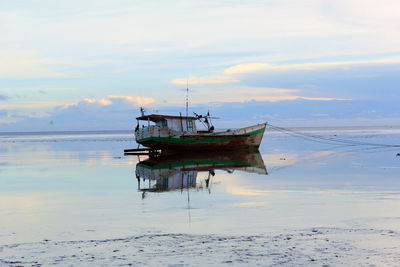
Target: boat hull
<point>248,138</point>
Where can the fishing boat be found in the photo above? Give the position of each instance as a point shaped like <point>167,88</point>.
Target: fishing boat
<point>173,172</point>
<point>165,132</point>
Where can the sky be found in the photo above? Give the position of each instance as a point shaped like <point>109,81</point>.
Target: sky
<point>90,65</point>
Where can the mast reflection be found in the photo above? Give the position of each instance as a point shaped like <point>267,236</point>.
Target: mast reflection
<point>176,172</point>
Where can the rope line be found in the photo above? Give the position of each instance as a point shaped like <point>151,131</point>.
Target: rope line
<point>327,140</point>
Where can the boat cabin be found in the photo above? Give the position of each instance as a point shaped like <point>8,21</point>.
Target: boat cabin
<point>164,179</point>
<point>174,123</point>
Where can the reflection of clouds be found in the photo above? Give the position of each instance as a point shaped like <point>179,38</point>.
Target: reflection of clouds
<point>48,154</point>
<point>93,157</point>
<point>19,203</point>
<point>236,189</point>
<point>241,186</point>
<point>289,159</point>
<point>280,159</point>
<point>237,185</point>
<point>251,204</point>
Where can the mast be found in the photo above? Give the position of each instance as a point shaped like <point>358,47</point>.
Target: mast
<point>187,97</point>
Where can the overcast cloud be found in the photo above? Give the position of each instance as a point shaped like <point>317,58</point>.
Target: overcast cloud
<point>114,56</point>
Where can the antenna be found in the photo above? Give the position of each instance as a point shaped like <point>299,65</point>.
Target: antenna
<point>187,97</point>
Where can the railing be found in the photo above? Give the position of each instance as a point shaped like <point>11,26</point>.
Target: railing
<point>153,131</point>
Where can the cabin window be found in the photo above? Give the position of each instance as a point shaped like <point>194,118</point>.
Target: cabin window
<point>164,184</point>
<point>189,125</point>
<point>164,124</point>
<point>191,181</point>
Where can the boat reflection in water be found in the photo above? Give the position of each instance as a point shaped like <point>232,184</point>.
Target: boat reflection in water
<point>176,172</point>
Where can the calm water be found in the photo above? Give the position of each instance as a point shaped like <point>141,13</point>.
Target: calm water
<point>81,186</point>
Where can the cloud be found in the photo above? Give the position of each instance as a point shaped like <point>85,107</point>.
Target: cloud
<point>235,73</point>
<point>134,101</point>
<point>101,102</point>
<point>322,81</point>
<point>113,102</point>
<point>111,112</point>
<point>324,98</point>
<point>216,23</point>
<point>372,79</point>
<point>292,97</point>
<point>27,64</point>
<point>96,114</point>
<point>3,97</point>
<point>247,68</point>
<point>250,93</point>
<point>6,116</point>
<point>235,48</point>
<point>264,67</point>
<point>194,80</point>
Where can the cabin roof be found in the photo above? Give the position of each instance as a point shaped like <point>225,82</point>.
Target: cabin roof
<point>156,117</point>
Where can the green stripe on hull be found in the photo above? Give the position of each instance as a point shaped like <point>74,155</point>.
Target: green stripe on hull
<point>199,163</point>
<point>196,140</point>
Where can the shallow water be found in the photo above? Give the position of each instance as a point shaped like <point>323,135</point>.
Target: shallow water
<point>63,187</point>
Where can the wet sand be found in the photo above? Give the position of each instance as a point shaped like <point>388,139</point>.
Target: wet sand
<point>313,247</point>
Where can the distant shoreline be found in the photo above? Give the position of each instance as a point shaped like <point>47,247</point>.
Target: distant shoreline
<point>68,132</point>
<point>306,129</point>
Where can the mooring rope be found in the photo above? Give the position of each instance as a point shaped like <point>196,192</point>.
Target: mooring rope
<point>328,140</point>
